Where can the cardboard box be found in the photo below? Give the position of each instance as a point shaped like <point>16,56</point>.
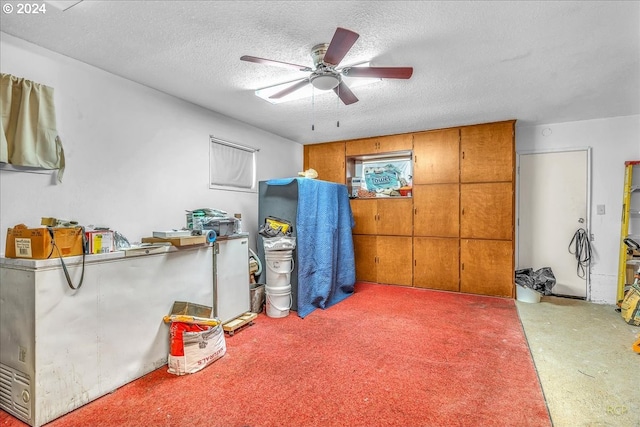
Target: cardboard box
<point>100,242</point>
<point>630,307</point>
<point>37,243</point>
<point>178,241</point>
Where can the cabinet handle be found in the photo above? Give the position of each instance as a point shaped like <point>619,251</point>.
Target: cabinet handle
<point>415,211</point>
<point>462,211</point>
<point>463,155</point>
<point>462,266</point>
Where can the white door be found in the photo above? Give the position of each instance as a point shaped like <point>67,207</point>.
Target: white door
<point>552,207</point>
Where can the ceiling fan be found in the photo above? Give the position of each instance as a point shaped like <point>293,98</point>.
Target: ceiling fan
<point>325,75</point>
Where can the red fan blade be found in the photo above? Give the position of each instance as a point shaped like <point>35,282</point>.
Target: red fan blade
<point>290,89</point>
<point>340,44</point>
<point>345,94</point>
<point>276,63</point>
<point>379,72</point>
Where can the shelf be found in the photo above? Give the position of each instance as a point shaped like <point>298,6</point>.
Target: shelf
<point>395,155</point>
<point>380,198</point>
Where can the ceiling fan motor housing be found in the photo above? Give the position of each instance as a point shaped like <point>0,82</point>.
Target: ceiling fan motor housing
<point>317,54</point>
<point>324,77</point>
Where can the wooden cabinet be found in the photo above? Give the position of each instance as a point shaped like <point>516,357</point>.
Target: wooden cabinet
<point>436,263</point>
<point>487,152</point>
<point>486,210</point>
<point>436,157</point>
<point>365,250</point>
<point>456,232</point>
<point>486,267</point>
<point>391,216</point>
<point>463,188</point>
<point>327,159</point>
<point>383,259</point>
<point>487,159</point>
<point>380,144</point>
<point>436,210</point>
<point>382,240</point>
<point>394,260</point>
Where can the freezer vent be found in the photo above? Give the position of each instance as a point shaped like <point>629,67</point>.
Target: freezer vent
<point>15,396</point>
<point>5,387</point>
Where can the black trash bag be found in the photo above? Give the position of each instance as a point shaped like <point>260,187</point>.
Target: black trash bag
<point>544,280</point>
<point>524,278</point>
<point>541,280</point>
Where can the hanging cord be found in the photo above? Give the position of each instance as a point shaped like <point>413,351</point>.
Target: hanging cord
<point>64,266</point>
<point>582,251</point>
<point>313,108</point>
<point>338,108</point>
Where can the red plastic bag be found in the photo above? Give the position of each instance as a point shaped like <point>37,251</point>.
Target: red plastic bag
<point>176,330</point>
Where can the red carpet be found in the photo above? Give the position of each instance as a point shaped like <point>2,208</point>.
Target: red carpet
<point>386,356</point>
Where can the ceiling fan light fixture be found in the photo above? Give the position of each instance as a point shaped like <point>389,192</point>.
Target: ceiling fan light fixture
<point>325,81</point>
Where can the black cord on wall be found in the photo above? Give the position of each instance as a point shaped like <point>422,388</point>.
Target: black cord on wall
<point>582,251</point>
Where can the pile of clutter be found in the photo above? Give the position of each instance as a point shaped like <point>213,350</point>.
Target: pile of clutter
<point>196,338</point>
<point>541,280</point>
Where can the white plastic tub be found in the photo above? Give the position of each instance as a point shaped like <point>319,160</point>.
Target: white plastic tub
<point>527,295</point>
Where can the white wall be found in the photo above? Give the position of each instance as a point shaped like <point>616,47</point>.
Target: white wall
<point>136,158</point>
<point>613,141</point>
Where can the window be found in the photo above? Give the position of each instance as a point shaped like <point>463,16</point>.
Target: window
<point>232,166</point>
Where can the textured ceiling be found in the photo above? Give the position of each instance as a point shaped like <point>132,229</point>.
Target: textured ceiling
<point>474,62</point>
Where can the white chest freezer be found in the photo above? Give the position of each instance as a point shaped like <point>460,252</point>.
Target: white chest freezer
<point>60,349</point>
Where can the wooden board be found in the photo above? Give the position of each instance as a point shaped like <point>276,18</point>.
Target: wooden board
<point>177,241</point>
<point>239,322</point>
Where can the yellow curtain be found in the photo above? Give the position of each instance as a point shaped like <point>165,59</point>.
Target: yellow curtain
<point>29,136</point>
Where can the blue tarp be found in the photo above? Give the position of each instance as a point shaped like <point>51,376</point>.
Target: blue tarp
<point>326,264</point>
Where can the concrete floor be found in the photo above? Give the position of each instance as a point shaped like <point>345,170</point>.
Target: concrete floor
<point>590,376</point>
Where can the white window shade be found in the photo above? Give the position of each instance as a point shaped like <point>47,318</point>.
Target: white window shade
<point>232,166</point>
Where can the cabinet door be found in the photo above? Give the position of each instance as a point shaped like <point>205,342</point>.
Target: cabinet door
<point>361,146</point>
<point>391,143</point>
<point>436,263</point>
<point>327,159</point>
<point>436,157</point>
<point>395,259</point>
<point>486,210</point>
<point>486,267</point>
<point>365,213</point>
<point>364,249</point>
<point>436,210</point>
<point>487,152</point>
<point>395,217</point>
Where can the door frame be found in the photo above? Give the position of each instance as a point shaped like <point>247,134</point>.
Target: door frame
<point>588,202</point>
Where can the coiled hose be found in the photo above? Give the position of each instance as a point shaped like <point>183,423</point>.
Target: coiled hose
<point>582,251</point>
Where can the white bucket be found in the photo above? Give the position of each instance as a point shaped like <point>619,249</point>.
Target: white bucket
<point>279,300</point>
<point>279,267</point>
<point>527,295</point>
